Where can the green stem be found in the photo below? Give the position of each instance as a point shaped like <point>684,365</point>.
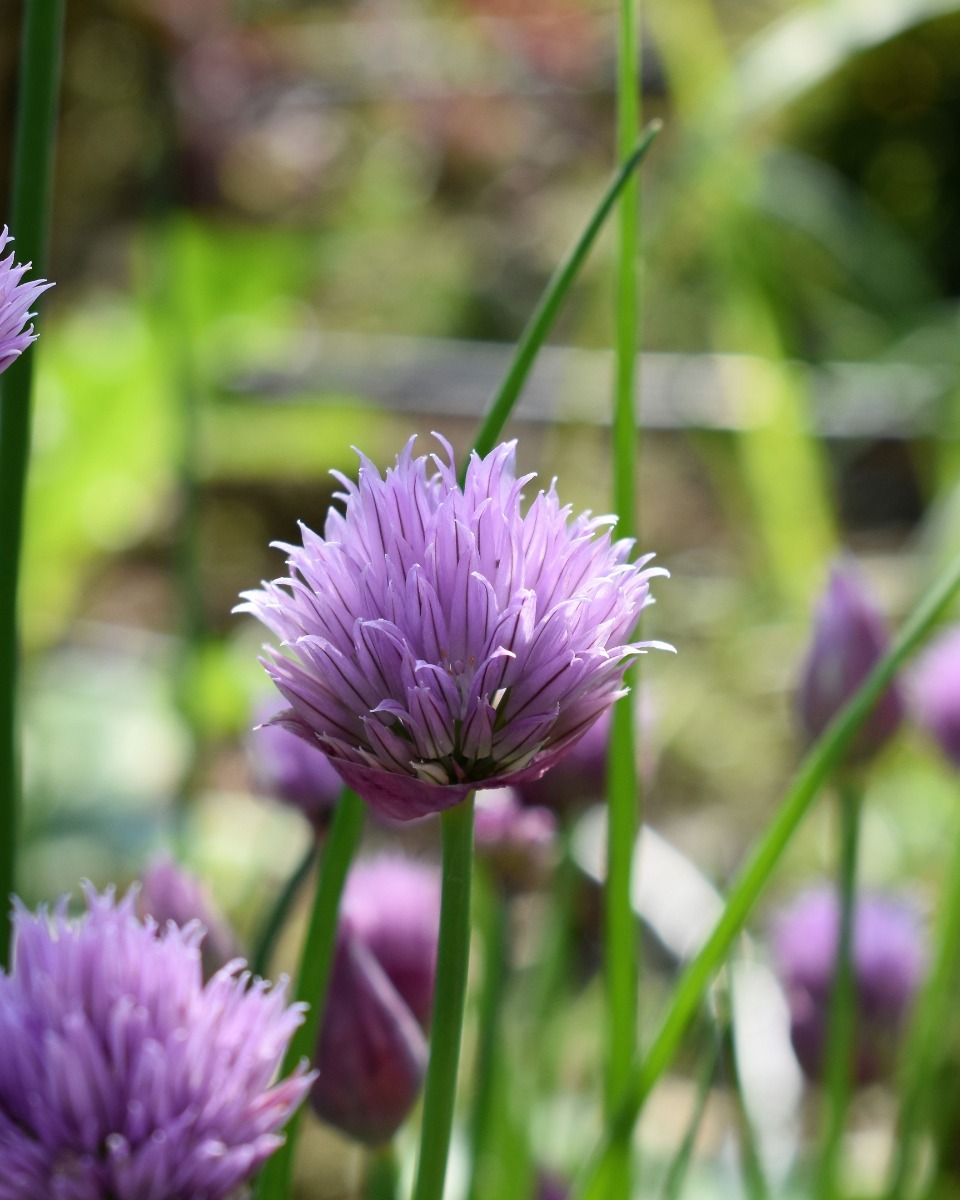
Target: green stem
<point>316,957</point>
<point>677,1172</point>
<point>277,916</point>
<point>621,942</point>
<point>540,324</point>
<point>819,764</point>
<point>842,1017</point>
<point>494,931</point>
<point>453,956</point>
<point>932,1017</point>
<point>40,57</point>
<point>382,1181</point>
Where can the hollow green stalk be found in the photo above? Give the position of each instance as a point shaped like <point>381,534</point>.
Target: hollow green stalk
<point>494,933</point>
<point>621,940</point>
<point>840,1029</point>
<point>818,766</point>
<point>277,916</point>
<point>934,1007</point>
<point>453,957</point>
<point>39,89</point>
<point>548,307</point>
<point>275,1180</point>
<point>382,1181</point>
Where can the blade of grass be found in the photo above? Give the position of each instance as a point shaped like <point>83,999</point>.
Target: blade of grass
<point>541,322</point>
<point>819,764</point>
<point>677,1171</point>
<point>39,89</point>
<point>277,916</point>
<point>276,1178</point>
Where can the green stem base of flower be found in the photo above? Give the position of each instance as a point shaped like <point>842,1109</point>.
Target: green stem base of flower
<point>453,957</point>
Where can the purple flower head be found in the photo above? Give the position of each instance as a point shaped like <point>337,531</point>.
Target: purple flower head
<point>16,297</point>
<point>936,692</point>
<point>124,1076</point>
<point>438,640</point>
<point>849,638</point>
<point>391,905</point>
<point>889,961</point>
<point>169,893</point>
<point>371,1053</point>
<point>293,770</point>
<point>517,843</point>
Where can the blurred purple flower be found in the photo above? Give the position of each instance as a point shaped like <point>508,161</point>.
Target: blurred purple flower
<point>16,297</point>
<point>936,692</point>
<point>849,638</point>
<point>293,770</point>
<point>889,961</point>
<point>122,1075</point>
<point>440,641</point>
<point>170,893</point>
<point>518,844</point>
<point>371,1053</point>
<point>392,905</point>
<point>551,1187</point>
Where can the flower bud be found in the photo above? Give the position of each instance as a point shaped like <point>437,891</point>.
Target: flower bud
<point>392,905</point>
<point>292,770</point>
<point>936,692</point>
<point>849,639</point>
<point>889,961</point>
<point>518,844</point>
<point>371,1053</point>
<point>169,893</point>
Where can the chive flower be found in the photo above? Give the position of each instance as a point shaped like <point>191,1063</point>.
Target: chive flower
<point>287,768</point>
<point>849,639</point>
<point>168,892</point>
<point>889,964</point>
<point>122,1075</point>
<point>16,297</point>
<point>436,639</point>
<point>936,692</point>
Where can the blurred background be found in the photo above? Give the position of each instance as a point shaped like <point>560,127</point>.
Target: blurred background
<point>283,228</point>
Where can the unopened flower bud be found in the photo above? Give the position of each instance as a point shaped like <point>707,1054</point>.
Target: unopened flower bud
<point>937,692</point>
<point>518,844</point>
<point>889,960</point>
<point>849,639</point>
<point>371,1053</point>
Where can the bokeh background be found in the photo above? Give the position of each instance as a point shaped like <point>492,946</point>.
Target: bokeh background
<point>282,229</point>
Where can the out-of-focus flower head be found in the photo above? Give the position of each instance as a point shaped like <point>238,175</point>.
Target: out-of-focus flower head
<point>936,692</point>
<point>438,640</point>
<point>122,1074</point>
<point>16,298</point>
<point>849,638</point>
<point>392,905</point>
<point>170,893</point>
<point>293,770</point>
<point>517,843</point>
<point>371,1053</point>
<point>889,961</point>
<point>549,1186</point>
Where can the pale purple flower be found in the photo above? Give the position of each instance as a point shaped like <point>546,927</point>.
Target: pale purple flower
<point>438,640</point>
<point>371,1053</point>
<point>518,844</point>
<point>168,892</point>
<point>936,692</point>
<point>123,1077</point>
<point>16,297</point>
<point>293,770</point>
<point>849,639</point>
<point>392,905</point>
<point>889,962</point>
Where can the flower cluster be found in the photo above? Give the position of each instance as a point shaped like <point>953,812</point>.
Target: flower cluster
<point>124,1076</point>
<point>16,297</point>
<point>440,640</point>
